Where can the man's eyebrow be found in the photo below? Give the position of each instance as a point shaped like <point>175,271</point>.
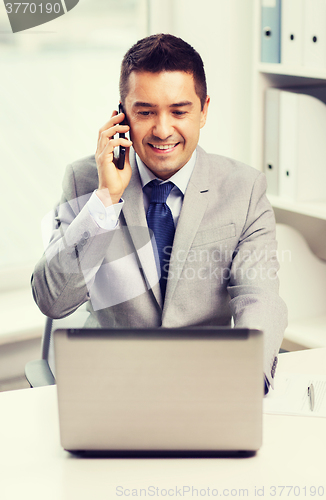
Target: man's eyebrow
<point>181,104</point>
<point>140,104</point>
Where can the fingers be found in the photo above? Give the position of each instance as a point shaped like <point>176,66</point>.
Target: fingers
<point>114,120</point>
<point>110,177</point>
<point>106,137</point>
<point>113,143</point>
<point>106,142</point>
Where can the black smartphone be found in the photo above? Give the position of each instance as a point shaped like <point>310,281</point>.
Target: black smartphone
<point>122,149</point>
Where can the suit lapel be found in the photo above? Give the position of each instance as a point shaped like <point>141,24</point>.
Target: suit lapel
<point>193,208</point>
<point>135,217</point>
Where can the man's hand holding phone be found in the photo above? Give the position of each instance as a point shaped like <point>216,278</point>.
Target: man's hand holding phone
<point>112,180</point>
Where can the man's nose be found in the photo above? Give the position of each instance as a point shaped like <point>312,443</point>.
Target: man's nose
<point>163,127</point>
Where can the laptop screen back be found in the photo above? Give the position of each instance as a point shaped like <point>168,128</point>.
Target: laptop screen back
<point>160,389</point>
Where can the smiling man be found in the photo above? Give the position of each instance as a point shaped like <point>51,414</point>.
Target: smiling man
<point>178,237</point>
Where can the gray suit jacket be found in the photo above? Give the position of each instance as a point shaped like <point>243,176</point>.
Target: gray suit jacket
<point>223,262</point>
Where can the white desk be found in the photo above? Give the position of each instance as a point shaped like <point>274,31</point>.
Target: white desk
<point>33,465</point>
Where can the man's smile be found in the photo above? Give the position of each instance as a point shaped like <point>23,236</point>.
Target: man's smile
<point>166,148</point>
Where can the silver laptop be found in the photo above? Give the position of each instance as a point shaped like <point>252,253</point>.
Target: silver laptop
<point>192,390</point>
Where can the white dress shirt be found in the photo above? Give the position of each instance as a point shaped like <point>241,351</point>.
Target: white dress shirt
<point>107,217</point>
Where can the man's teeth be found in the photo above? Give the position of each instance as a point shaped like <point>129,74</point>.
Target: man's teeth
<point>168,146</point>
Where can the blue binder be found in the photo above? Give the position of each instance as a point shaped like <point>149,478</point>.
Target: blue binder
<point>271,31</point>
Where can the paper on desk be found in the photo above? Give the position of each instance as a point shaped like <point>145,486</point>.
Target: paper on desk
<point>290,395</point>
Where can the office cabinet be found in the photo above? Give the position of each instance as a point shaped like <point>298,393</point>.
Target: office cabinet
<point>305,329</point>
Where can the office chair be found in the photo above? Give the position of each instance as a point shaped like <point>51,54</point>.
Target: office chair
<point>302,286</point>
<point>41,372</point>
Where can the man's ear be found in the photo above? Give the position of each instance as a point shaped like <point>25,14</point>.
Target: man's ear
<point>204,112</point>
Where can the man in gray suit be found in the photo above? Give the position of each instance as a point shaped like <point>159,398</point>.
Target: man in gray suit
<point>220,260</point>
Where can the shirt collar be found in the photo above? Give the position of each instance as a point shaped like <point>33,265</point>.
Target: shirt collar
<point>180,178</point>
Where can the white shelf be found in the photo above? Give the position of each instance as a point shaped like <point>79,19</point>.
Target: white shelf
<point>312,209</point>
<point>298,71</point>
<point>309,333</point>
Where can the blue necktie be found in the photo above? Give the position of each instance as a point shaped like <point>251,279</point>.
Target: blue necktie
<point>160,221</point>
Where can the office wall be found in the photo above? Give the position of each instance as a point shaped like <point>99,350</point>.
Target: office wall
<point>222,32</point>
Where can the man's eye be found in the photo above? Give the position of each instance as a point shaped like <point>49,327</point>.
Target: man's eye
<point>144,113</point>
<point>179,113</point>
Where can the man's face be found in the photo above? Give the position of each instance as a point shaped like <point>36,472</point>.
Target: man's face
<point>165,117</point>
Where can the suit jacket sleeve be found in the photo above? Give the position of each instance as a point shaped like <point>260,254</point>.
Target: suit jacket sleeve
<point>63,277</point>
<point>254,285</point>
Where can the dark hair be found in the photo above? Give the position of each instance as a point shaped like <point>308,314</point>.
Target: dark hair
<point>163,52</point>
